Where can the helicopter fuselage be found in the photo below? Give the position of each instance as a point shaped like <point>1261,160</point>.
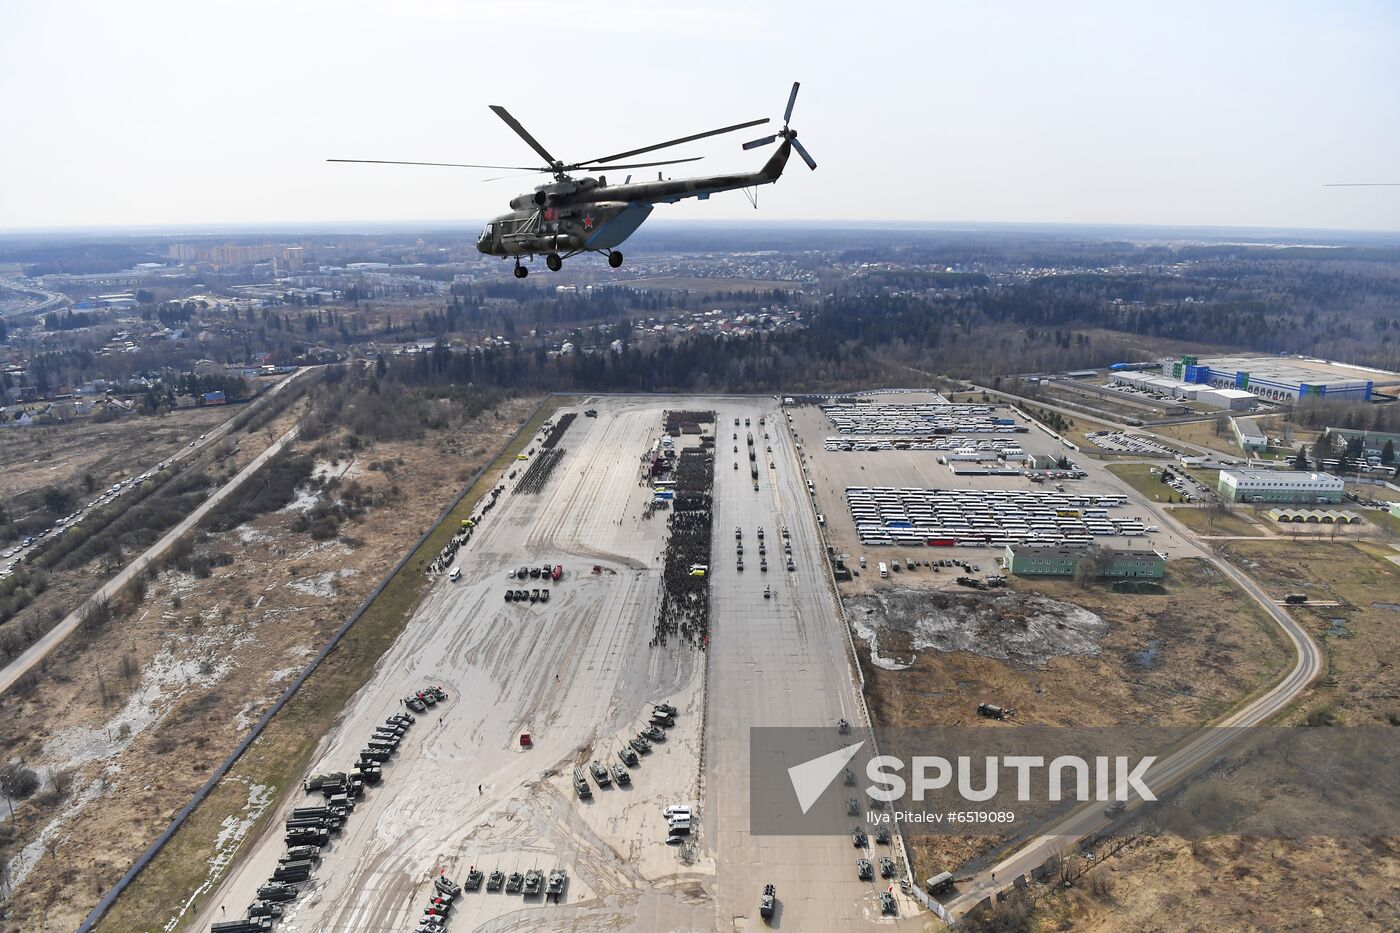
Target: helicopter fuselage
<point>571,215</point>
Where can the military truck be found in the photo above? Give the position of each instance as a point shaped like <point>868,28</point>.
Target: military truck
<point>621,776</point>
<point>939,883</point>
<point>250,925</point>
<point>992,711</point>
<point>769,902</point>
<point>581,784</point>
<point>600,773</point>
<point>628,756</point>
<point>318,781</point>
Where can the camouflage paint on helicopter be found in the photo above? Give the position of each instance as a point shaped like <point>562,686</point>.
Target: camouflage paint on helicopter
<point>588,214</point>
<point>575,215</point>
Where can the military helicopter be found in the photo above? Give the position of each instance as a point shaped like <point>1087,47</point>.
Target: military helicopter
<point>570,215</point>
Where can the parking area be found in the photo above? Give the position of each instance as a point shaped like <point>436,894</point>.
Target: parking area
<point>929,415</point>
<point>1120,443</point>
<point>886,515</point>
<point>833,472</point>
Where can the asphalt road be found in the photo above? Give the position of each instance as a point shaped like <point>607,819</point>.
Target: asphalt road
<point>781,661</point>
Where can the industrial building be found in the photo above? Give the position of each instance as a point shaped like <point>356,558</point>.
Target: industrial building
<point>1270,377</point>
<point>1248,435</point>
<point>1278,486</point>
<point>1372,442</point>
<point>1223,398</point>
<point>1030,560</point>
<point>1316,516</point>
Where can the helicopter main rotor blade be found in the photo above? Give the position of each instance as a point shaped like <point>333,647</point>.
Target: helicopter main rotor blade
<point>1364,184</point>
<point>523,133</point>
<point>512,168</point>
<point>640,164</point>
<point>792,99</point>
<point>676,142</point>
<point>755,143</point>
<point>811,163</point>
<point>669,161</point>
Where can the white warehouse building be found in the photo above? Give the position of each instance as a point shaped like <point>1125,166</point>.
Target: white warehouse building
<point>1167,387</point>
<point>1278,486</point>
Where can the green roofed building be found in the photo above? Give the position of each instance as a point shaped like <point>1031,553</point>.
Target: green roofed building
<point>1030,560</point>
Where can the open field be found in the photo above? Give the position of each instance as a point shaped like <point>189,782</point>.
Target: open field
<point>1087,658</point>
<point>1236,883</point>
<point>1362,686</point>
<point>1167,884</point>
<point>1140,477</point>
<point>60,455</point>
<point>141,710</point>
<point>1205,521</point>
<point>1202,434</point>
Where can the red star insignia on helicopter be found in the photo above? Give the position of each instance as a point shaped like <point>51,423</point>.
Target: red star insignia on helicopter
<point>588,222</point>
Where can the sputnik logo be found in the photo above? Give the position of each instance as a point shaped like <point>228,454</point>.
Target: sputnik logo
<point>813,776</point>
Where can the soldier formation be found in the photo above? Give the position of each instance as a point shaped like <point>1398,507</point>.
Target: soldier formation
<point>685,593</point>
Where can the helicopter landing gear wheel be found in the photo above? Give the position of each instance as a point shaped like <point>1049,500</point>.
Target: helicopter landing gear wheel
<point>615,259</point>
<point>554,262</point>
<point>521,271</point>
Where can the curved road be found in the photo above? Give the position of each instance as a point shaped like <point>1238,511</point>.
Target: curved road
<point>1168,771</point>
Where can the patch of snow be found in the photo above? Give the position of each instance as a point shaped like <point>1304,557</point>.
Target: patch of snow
<point>305,500</point>
<point>322,585</point>
<point>232,832</point>
<point>27,858</point>
<point>248,535</point>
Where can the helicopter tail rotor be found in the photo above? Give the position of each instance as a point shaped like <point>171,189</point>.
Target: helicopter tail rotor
<point>786,133</point>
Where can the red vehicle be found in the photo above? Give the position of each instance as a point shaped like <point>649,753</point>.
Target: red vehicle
<point>526,741</point>
<point>557,572</point>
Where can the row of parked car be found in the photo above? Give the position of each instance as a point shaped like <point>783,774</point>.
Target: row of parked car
<point>309,829</point>
<point>30,545</point>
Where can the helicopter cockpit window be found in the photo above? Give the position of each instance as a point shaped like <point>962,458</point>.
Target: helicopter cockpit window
<point>486,232</point>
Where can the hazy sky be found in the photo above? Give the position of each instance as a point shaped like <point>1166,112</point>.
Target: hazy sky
<point>1213,113</point>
